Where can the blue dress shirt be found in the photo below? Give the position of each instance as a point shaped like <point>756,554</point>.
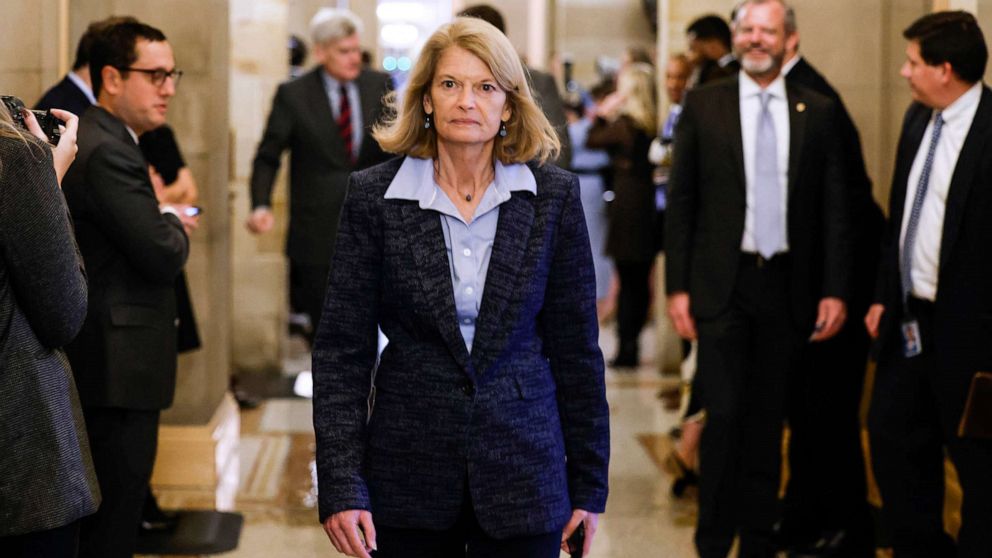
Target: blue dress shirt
<point>469,243</point>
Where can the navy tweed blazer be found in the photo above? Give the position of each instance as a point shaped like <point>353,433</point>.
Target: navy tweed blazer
<point>520,425</point>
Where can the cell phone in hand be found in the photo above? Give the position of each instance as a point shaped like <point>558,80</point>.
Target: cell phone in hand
<point>577,541</point>
<point>193,211</point>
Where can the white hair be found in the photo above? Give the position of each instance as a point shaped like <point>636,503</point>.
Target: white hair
<point>330,24</point>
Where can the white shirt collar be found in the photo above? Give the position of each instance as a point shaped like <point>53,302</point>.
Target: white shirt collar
<point>788,66</point>
<point>726,59</point>
<point>963,105</point>
<point>415,182</point>
<point>134,135</point>
<point>86,89</point>
<point>750,88</point>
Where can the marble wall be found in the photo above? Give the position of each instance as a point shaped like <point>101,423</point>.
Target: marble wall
<point>29,61</point>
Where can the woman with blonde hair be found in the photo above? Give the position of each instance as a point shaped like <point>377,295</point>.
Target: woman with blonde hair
<point>625,125</point>
<point>46,475</point>
<point>482,429</point>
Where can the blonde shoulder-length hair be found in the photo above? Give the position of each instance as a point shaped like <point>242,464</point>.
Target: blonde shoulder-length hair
<point>636,84</point>
<point>529,135</point>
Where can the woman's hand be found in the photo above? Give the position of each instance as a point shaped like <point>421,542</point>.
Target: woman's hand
<point>346,529</point>
<point>591,522</point>
<point>64,153</point>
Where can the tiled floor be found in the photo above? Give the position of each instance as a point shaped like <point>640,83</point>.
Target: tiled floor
<point>277,496</point>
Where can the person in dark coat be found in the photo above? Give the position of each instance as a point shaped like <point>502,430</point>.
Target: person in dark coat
<point>47,481</point>
<point>483,428</point>
<point>625,125</point>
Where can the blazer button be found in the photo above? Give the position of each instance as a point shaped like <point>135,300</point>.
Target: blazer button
<point>468,388</point>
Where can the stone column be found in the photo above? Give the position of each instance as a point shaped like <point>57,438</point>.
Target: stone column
<point>30,59</point>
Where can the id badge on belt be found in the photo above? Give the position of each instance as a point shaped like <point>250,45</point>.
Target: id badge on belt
<point>911,344</point>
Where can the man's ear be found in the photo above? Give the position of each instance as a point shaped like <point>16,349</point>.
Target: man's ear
<point>112,80</point>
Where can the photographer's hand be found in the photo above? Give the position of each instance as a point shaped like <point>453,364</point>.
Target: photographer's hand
<point>65,152</point>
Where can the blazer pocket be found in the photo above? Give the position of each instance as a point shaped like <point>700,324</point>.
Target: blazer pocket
<point>124,315</point>
<point>534,387</point>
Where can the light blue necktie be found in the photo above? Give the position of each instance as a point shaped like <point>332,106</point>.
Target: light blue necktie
<point>914,214</point>
<point>768,224</point>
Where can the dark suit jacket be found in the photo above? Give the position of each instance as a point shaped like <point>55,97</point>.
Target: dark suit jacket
<point>632,215</point>
<point>868,220</point>
<point>707,201</point>
<point>501,420</point>
<point>46,475</point>
<point>125,355</point>
<point>301,120</point>
<point>963,307</point>
<point>546,94</point>
<point>65,95</point>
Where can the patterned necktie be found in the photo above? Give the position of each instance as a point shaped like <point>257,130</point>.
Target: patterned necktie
<point>768,224</point>
<point>344,123</point>
<point>912,226</point>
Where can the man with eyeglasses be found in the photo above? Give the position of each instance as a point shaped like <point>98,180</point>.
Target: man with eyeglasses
<point>124,359</point>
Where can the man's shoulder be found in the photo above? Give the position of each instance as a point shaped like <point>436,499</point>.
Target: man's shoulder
<point>375,79</point>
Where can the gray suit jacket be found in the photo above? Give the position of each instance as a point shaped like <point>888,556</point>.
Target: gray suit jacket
<point>46,475</point>
<point>545,91</point>
<point>301,120</point>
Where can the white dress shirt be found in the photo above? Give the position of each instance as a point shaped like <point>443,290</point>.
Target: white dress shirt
<point>958,117</point>
<point>778,105</point>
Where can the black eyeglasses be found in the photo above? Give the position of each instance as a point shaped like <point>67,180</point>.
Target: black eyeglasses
<point>158,76</point>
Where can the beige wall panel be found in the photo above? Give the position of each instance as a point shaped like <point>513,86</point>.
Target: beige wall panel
<point>28,61</point>
<point>587,29</point>
<point>259,63</point>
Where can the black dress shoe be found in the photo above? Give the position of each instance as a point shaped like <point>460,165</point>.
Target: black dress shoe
<point>835,544</point>
<point>161,521</point>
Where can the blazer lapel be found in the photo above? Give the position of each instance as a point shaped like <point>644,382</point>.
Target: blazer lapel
<point>797,135</point>
<point>322,118</point>
<point>964,175</point>
<point>426,243</point>
<point>732,106</point>
<point>513,230</point>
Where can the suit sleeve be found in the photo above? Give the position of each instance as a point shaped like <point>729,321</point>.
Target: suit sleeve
<point>45,267</point>
<point>126,209</point>
<point>837,207</point>
<point>680,212</point>
<point>571,335</point>
<point>278,130</point>
<point>554,109</point>
<point>344,357</point>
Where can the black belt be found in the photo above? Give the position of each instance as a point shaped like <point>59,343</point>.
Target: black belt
<point>755,260</point>
<point>919,307</point>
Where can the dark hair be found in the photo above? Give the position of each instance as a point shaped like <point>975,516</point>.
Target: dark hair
<point>297,50</point>
<point>952,37</point>
<point>486,13</point>
<point>710,27</point>
<point>116,46</point>
<point>92,30</point>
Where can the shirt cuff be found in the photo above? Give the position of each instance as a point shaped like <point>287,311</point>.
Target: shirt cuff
<point>169,209</point>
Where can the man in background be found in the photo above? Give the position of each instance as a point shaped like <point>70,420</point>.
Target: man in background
<point>124,359</point>
<point>75,92</point>
<point>324,118</point>
<point>709,49</point>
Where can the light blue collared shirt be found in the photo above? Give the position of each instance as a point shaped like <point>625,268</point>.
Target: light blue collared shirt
<point>469,244</point>
<point>333,89</point>
<point>86,89</point>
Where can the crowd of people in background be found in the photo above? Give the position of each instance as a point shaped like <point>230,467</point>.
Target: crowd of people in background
<point>747,207</point>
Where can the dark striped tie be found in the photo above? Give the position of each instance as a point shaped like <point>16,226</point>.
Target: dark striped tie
<point>344,124</point>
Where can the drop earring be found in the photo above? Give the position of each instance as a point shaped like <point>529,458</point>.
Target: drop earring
<point>427,121</point>
<point>502,129</point>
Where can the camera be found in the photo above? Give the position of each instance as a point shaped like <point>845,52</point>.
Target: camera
<point>49,124</point>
